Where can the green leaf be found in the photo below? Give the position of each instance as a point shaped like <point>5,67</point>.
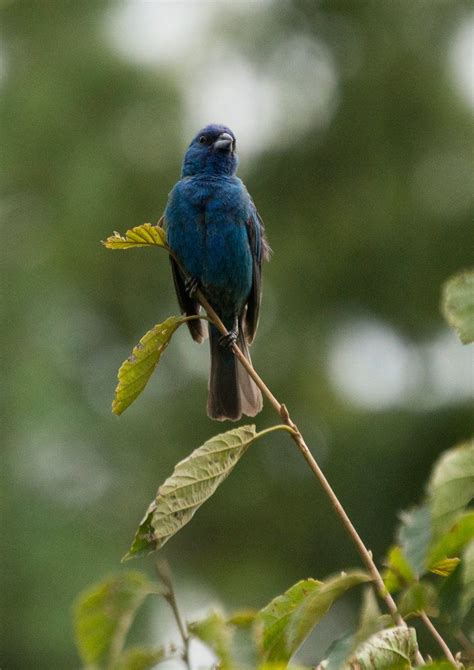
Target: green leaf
<point>339,652</point>
<point>458,304</point>
<point>419,597</point>
<point>370,621</point>
<point>414,535</point>
<point>217,635</point>
<point>140,658</point>
<point>456,595</point>
<point>390,649</point>
<point>451,486</point>
<point>140,236</point>
<point>288,619</point>
<point>193,481</point>
<point>370,610</point>
<point>467,579</point>
<point>135,372</point>
<point>450,544</point>
<point>280,666</point>
<point>439,665</point>
<point>399,572</point>
<point>103,614</point>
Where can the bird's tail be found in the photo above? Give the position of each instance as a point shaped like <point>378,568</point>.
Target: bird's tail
<point>231,390</point>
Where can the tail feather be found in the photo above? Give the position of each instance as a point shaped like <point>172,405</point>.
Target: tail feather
<point>231,390</point>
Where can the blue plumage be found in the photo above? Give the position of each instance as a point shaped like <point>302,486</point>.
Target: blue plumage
<point>215,231</point>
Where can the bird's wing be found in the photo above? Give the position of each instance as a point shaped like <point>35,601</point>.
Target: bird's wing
<point>189,306</point>
<point>260,252</point>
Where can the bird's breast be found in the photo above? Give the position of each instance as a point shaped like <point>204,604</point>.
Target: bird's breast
<point>207,229</point>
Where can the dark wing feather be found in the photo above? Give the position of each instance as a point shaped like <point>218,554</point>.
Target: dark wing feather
<point>187,304</point>
<point>260,252</point>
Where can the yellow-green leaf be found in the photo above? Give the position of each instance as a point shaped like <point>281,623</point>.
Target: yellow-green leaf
<point>140,236</point>
<point>399,572</point>
<point>103,614</point>
<point>288,619</point>
<point>451,486</point>
<point>193,481</point>
<point>445,567</point>
<point>458,304</point>
<point>242,618</point>
<point>140,658</point>
<point>135,372</point>
<point>418,597</point>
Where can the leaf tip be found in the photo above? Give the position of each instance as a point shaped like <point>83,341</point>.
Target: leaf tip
<point>116,408</point>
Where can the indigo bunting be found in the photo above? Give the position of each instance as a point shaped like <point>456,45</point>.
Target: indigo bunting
<point>218,236</point>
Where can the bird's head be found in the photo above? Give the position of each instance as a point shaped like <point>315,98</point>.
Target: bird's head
<point>212,151</point>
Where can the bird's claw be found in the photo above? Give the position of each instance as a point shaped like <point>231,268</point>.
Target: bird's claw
<point>191,286</point>
<point>227,341</point>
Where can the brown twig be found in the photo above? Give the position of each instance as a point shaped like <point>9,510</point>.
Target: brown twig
<point>437,636</point>
<point>164,574</point>
<point>282,411</point>
<point>465,643</point>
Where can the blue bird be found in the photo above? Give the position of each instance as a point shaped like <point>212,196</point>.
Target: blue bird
<point>216,233</point>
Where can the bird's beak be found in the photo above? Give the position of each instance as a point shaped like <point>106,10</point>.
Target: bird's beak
<point>224,141</point>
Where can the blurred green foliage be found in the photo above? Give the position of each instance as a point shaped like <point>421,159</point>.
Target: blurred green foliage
<point>367,214</point>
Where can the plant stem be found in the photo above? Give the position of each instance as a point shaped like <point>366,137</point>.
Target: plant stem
<point>272,429</point>
<point>465,643</point>
<point>437,636</point>
<point>282,411</point>
<point>164,573</point>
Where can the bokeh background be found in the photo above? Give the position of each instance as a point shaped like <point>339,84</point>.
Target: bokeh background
<point>354,123</point>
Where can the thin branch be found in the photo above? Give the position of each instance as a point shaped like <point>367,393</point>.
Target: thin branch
<point>437,636</point>
<point>164,573</point>
<point>465,643</point>
<point>297,437</point>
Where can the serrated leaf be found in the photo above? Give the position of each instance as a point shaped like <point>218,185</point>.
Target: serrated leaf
<point>104,613</point>
<point>390,649</point>
<point>419,597</point>
<point>458,305</point>
<point>140,658</point>
<point>135,372</point>
<point>451,486</point>
<point>193,481</point>
<point>399,572</point>
<point>288,619</point>
<point>217,635</point>
<point>140,236</point>
<point>414,535</point>
<point>450,544</point>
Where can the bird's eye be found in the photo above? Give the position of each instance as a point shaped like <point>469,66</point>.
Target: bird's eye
<point>202,139</point>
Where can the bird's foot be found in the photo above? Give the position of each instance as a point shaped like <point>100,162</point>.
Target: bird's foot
<point>191,286</point>
<point>227,341</point>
